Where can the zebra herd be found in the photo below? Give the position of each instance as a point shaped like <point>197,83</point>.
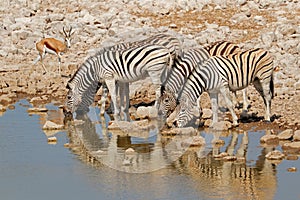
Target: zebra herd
<point>179,76</point>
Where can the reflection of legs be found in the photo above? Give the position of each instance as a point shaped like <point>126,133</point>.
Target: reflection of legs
<point>241,152</point>
<point>226,94</point>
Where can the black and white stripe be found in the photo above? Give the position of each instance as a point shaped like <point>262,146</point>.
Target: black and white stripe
<point>123,65</point>
<point>184,65</point>
<point>222,74</point>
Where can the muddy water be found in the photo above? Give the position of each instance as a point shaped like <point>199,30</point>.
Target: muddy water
<point>96,164</point>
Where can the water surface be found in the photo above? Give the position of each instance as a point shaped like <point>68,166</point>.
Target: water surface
<point>97,167</point>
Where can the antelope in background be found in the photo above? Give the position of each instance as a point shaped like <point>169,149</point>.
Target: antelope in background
<point>53,46</point>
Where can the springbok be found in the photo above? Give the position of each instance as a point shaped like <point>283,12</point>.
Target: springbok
<point>53,46</point>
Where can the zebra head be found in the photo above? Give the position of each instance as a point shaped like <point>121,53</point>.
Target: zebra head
<point>167,102</point>
<point>188,111</point>
<point>73,98</point>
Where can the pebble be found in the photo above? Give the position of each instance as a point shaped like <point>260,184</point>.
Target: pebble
<point>49,125</point>
<point>37,110</point>
<point>129,151</point>
<point>292,169</point>
<point>286,134</point>
<point>269,139</point>
<point>275,155</point>
<point>296,135</point>
<point>52,140</point>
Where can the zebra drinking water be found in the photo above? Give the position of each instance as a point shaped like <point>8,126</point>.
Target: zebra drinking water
<point>220,74</point>
<point>170,42</point>
<point>184,65</point>
<point>120,65</point>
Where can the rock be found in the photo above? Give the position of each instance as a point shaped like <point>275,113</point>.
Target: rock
<point>275,155</point>
<point>292,169</point>
<point>286,134</point>
<point>49,125</point>
<point>2,108</point>
<point>297,135</point>
<point>129,151</point>
<point>146,112</point>
<point>221,155</point>
<point>293,147</point>
<point>206,113</point>
<point>222,125</point>
<point>269,139</point>
<point>179,131</point>
<point>52,140</point>
<point>37,110</point>
<point>229,158</point>
<point>194,141</point>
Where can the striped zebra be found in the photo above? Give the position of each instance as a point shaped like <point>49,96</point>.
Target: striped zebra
<point>184,65</point>
<point>170,42</point>
<point>110,66</point>
<point>220,74</point>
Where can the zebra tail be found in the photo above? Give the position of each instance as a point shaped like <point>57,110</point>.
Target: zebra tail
<point>272,87</point>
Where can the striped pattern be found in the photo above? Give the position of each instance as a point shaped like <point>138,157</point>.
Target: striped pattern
<point>111,66</point>
<point>170,42</point>
<point>184,65</point>
<point>220,74</point>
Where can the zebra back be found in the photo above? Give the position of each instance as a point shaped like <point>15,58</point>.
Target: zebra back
<point>222,48</point>
<point>235,71</point>
<point>170,42</point>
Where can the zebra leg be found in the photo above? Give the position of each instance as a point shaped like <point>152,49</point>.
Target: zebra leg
<point>245,100</point>
<point>264,90</point>
<point>103,99</point>
<point>111,85</point>
<point>124,99</point>
<point>226,94</point>
<point>234,99</point>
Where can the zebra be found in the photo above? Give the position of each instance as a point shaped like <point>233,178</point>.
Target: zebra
<point>184,65</point>
<point>120,65</point>
<point>220,74</point>
<point>172,43</point>
<point>223,48</point>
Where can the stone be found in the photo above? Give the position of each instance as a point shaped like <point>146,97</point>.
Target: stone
<point>146,112</point>
<point>296,136</point>
<point>222,125</point>
<point>52,140</point>
<point>129,151</point>
<point>269,139</point>
<point>2,108</point>
<point>221,155</point>
<point>286,134</point>
<point>293,146</point>
<point>194,141</point>
<point>292,169</point>
<point>229,158</point>
<point>49,125</point>
<point>275,155</point>
<point>179,131</point>
<point>37,110</point>
<point>206,113</point>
